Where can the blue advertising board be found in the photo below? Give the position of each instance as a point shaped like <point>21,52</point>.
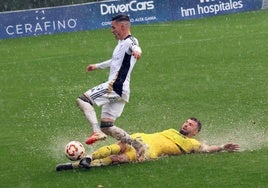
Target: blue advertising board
<point>98,15</point>
<point>185,9</point>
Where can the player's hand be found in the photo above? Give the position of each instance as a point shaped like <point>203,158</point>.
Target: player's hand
<point>91,67</point>
<point>136,51</point>
<point>230,147</point>
<point>136,54</point>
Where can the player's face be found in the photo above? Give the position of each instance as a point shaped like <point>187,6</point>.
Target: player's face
<point>189,128</point>
<point>117,30</point>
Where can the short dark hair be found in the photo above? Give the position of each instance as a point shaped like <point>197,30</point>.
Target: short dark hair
<point>199,124</point>
<point>120,18</point>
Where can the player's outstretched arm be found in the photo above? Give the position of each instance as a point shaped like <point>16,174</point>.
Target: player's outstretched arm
<point>102,65</point>
<point>229,147</point>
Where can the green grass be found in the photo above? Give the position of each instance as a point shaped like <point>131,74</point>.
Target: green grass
<point>214,68</point>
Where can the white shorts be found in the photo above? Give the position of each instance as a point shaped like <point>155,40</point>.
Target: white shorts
<point>103,95</point>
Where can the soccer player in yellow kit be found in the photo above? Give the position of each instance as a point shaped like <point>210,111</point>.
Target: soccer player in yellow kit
<point>165,143</point>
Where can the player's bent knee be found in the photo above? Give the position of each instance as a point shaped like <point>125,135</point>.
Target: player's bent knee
<point>84,98</point>
<point>122,146</point>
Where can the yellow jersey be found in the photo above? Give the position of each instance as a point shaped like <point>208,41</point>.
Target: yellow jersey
<point>167,142</point>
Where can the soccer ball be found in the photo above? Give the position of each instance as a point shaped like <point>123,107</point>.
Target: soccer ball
<point>74,150</point>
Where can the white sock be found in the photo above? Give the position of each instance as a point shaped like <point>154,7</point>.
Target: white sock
<point>90,114</point>
<point>96,127</point>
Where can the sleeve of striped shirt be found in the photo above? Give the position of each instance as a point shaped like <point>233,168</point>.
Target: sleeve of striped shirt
<point>104,64</point>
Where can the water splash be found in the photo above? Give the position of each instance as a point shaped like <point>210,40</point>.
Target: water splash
<point>56,147</point>
<point>250,136</point>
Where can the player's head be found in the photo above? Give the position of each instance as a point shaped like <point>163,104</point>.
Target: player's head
<point>120,18</point>
<point>191,127</point>
<point>120,26</point>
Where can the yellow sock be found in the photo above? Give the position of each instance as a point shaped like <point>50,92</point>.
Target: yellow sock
<point>106,151</point>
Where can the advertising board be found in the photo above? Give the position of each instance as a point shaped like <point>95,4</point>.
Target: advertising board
<point>97,15</point>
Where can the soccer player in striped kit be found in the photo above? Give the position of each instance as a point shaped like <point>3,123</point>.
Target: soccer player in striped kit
<point>114,93</point>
